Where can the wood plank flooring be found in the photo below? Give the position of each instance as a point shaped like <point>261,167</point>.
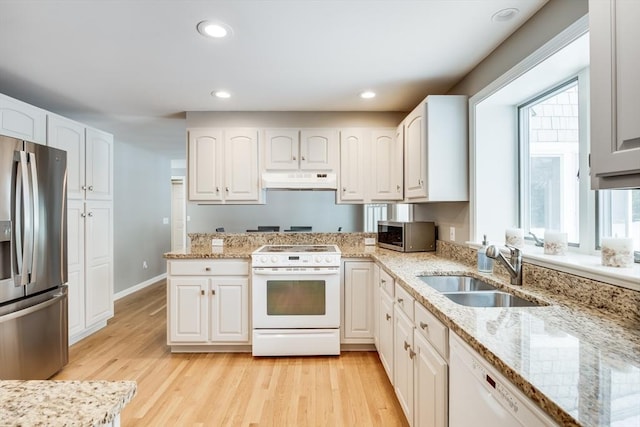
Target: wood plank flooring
<point>232,389</point>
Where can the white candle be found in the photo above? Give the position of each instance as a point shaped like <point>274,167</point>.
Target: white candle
<point>617,251</point>
<point>514,237</point>
<point>555,243</point>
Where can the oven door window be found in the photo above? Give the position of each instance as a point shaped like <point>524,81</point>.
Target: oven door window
<point>296,297</point>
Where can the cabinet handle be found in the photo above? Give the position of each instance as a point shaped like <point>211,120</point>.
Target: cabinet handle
<point>406,345</point>
<point>424,326</point>
<point>302,158</point>
<point>344,189</point>
<point>226,189</point>
<point>91,188</point>
<point>400,300</point>
<point>201,291</point>
<point>412,354</point>
<point>84,187</point>
<point>207,269</point>
<point>82,215</point>
<point>294,158</point>
<point>90,214</point>
<point>217,189</point>
<point>398,187</point>
<point>213,291</point>
<point>383,281</point>
<point>387,315</point>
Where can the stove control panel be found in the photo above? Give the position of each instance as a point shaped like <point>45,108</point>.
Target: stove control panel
<point>295,260</point>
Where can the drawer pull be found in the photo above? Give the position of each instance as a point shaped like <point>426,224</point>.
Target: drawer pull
<point>388,317</point>
<point>207,269</point>
<point>424,326</point>
<point>400,300</point>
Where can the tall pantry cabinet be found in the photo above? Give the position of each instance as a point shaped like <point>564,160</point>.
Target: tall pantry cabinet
<point>89,223</point>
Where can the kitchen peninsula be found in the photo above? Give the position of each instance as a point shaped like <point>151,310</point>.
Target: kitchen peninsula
<point>599,334</point>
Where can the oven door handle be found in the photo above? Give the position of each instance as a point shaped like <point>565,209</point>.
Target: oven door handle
<point>284,272</point>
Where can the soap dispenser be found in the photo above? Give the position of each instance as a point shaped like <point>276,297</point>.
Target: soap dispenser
<point>485,264</point>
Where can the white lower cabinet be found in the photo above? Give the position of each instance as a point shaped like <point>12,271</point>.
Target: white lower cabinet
<point>430,385</point>
<point>357,313</point>
<point>385,340</point>
<point>90,266</point>
<point>208,302</point>
<point>403,361</point>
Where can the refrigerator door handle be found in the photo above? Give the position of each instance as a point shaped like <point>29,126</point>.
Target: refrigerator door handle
<point>22,231</point>
<point>35,218</point>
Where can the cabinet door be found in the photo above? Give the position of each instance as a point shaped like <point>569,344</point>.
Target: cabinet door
<point>386,165</point>
<point>99,165</point>
<point>358,301</point>
<point>75,260</point>
<point>430,380</point>
<point>188,309</point>
<point>99,262</point>
<point>205,164</point>
<point>282,149</point>
<point>615,93</point>
<point>230,309</point>
<point>68,135</point>
<point>352,166</point>
<point>319,150</point>
<point>241,165</point>
<point>403,362</point>
<point>385,351</point>
<point>23,121</point>
<point>415,161</point>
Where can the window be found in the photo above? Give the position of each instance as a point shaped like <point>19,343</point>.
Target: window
<point>619,215</point>
<point>550,150</point>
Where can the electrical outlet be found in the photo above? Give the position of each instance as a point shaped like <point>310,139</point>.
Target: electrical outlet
<point>217,242</point>
<point>368,241</point>
<point>145,265</point>
<point>165,221</point>
<point>452,234</point>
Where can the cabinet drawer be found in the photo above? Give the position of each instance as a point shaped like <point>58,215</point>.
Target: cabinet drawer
<point>432,329</point>
<point>404,301</point>
<point>386,282</point>
<point>209,268</point>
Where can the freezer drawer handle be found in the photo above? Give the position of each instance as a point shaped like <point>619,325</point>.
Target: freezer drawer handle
<point>32,309</point>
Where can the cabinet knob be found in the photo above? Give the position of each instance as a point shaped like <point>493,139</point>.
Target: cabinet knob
<point>344,189</point>
<point>424,326</point>
<point>294,158</point>
<point>398,187</point>
<point>387,316</point>
<point>90,214</point>
<point>84,187</point>
<point>201,291</point>
<point>217,189</point>
<point>207,269</point>
<point>383,281</point>
<point>406,345</point>
<point>226,189</point>
<point>412,354</point>
<point>91,188</point>
<point>213,291</point>
<point>302,158</point>
<point>400,300</point>
<point>82,215</point>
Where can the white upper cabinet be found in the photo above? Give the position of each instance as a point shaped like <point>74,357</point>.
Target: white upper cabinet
<point>386,165</point>
<point>99,165</point>
<point>223,165</point>
<point>301,150</point>
<point>436,150</point>
<point>615,93</point>
<point>68,135</point>
<point>23,121</point>
<point>352,165</point>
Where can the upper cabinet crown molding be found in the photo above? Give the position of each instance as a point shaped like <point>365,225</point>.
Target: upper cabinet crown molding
<point>21,120</point>
<point>436,150</point>
<point>615,93</point>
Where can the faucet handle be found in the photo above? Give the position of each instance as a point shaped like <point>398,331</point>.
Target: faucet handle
<point>517,252</point>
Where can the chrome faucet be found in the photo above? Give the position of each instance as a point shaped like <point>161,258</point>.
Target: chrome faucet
<point>514,265</point>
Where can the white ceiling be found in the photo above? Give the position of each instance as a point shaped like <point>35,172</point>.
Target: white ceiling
<point>135,66</point>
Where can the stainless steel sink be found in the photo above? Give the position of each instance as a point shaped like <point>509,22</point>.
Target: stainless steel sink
<point>488,299</point>
<point>456,284</point>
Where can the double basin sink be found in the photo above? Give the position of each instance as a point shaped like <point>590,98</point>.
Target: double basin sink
<point>472,292</point>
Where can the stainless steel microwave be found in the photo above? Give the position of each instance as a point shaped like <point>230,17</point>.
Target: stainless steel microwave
<point>414,236</point>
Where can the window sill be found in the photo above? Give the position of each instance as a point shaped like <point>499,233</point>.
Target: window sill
<point>588,266</point>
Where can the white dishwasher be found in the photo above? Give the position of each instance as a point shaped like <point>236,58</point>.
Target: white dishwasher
<point>480,396</point>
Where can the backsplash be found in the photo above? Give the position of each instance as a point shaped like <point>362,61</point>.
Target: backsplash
<point>275,238</point>
<point>567,289</point>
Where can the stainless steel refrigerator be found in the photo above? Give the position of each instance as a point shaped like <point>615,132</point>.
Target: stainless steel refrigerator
<point>33,260</point>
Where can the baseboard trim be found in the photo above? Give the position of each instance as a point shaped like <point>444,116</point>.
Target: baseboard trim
<point>139,286</point>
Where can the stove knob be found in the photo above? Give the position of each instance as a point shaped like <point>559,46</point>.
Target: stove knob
<point>318,259</point>
<point>263,259</point>
<point>274,259</point>
<point>327,259</point>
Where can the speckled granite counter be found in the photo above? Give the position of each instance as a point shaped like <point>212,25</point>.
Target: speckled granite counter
<point>580,364</point>
<point>63,403</point>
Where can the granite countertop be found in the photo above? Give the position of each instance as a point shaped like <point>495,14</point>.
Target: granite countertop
<point>63,403</point>
<point>581,366</point>
<point>212,252</point>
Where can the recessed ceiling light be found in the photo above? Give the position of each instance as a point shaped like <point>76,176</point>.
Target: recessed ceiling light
<point>217,30</point>
<point>504,15</point>
<point>367,94</point>
<point>221,94</point>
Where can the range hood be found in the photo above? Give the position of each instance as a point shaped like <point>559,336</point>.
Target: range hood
<point>300,180</point>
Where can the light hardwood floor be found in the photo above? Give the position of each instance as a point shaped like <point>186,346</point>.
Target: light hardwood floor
<point>215,389</point>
